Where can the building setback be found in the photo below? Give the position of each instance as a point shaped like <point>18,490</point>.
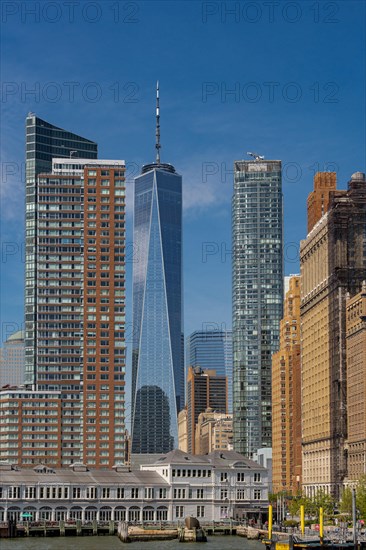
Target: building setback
<point>333,263</point>
<point>356,384</point>
<point>205,390</point>
<point>212,349</point>
<point>286,397</point>
<point>30,426</point>
<point>216,486</point>
<point>257,297</point>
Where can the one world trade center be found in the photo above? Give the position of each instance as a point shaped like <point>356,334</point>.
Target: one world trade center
<point>158,341</point>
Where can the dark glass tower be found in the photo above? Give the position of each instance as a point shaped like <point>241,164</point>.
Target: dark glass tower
<point>44,141</point>
<point>158,343</point>
<point>257,297</point>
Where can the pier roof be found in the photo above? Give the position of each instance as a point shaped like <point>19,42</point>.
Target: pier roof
<point>68,476</point>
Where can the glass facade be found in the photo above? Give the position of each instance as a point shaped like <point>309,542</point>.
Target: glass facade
<point>158,354</point>
<point>212,349</point>
<point>257,297</point>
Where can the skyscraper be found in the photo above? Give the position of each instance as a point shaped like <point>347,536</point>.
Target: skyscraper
<point>212,349</point>
<point>257,297</point>
<point>82,289</point>
<point>333,264</point>
<point>158,344</point>
<point>75,295</point>
<point>286,397</point>
<point>44,141</point>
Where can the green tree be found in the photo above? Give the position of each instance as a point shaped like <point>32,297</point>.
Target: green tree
<point>272,497</point>
<point>345,504</point>
<point>294,506</point>
<point>361,496</point>
<point>312,505</point>
<point>296,502</point>
<point>325,501</point>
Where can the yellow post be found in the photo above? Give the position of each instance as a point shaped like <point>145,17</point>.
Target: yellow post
<point>302,519</point>
<point>321,524</point>
<point>270,521</point>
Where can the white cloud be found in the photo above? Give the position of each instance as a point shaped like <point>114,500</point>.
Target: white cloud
<point>206,183</point>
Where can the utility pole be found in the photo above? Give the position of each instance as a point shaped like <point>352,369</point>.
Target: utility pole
<point>354,517</point>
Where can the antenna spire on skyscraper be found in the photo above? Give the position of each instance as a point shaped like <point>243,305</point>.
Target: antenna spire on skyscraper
<point>157,133</point>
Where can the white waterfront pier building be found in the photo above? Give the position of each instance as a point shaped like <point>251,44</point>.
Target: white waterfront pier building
<point>212,487</point>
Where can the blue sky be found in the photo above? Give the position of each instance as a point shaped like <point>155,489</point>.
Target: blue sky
<point>296,73</point>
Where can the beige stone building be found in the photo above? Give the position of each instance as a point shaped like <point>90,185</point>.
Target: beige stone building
<point>356,384</point>
<point>214,431</point>
<point>286,397</point>
<point>332,260</point>
<point>183,430</point>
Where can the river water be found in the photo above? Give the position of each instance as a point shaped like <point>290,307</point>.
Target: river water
<point>113,543</point>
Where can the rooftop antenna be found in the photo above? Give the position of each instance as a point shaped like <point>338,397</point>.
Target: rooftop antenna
<point>255,156</point>
<point>157,133</point>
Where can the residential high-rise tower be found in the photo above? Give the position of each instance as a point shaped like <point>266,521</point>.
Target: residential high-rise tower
<point>257,297</point>
<point>75,293</point>
<point>81,304</point>
<point>44,141</point>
